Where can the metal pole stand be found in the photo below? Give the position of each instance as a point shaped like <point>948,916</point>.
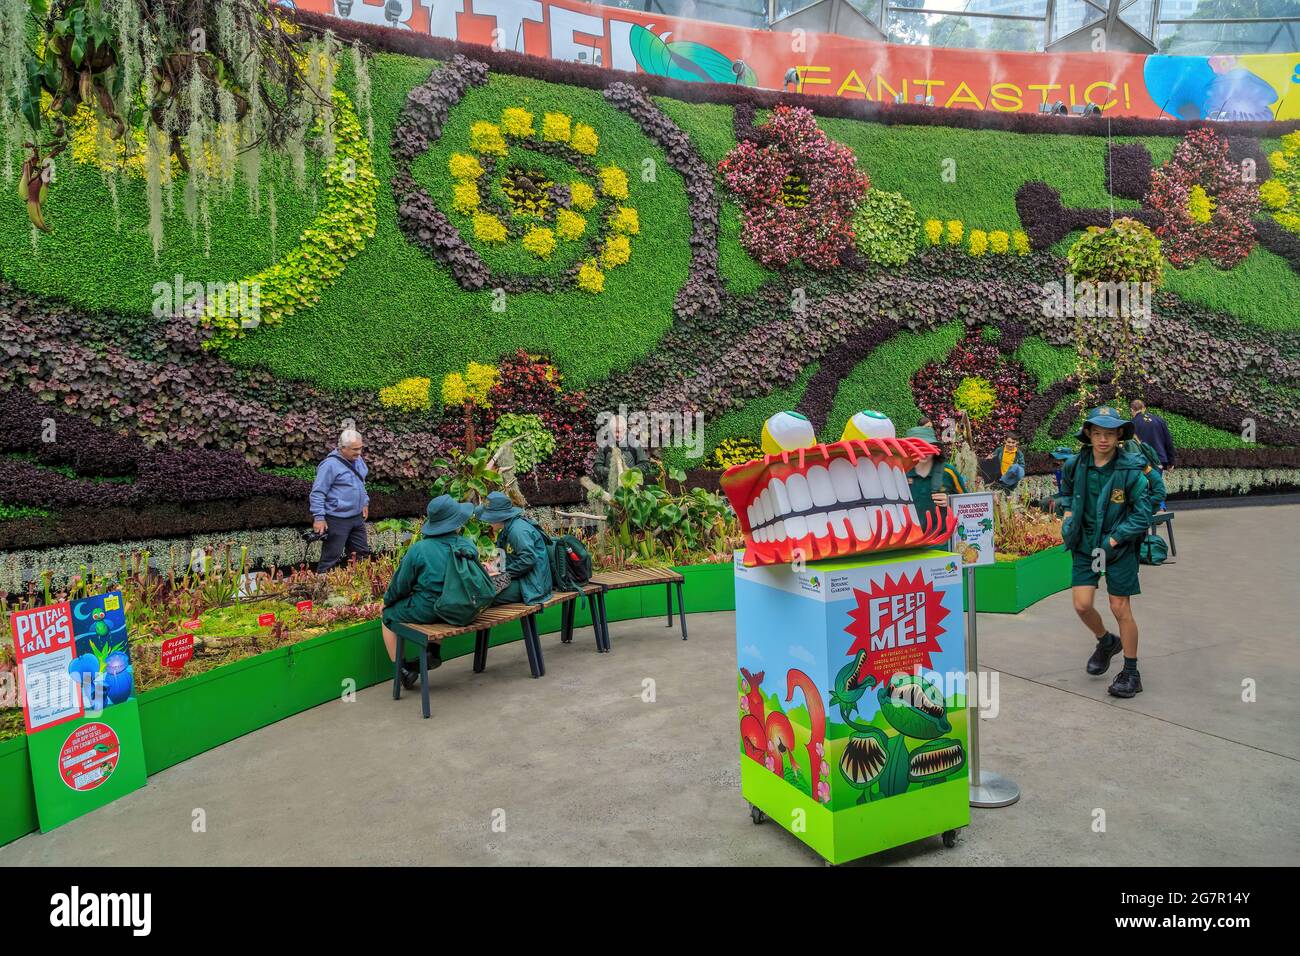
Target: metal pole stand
<point>987,789</point>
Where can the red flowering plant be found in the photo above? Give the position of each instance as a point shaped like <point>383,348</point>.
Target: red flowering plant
<point>798,188</point>
<point>975,377</point>
<point>1206,206</point>
<point>533,385</point>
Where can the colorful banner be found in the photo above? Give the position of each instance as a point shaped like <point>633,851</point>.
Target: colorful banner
<point>78,694</point>
<point>1252,87</point>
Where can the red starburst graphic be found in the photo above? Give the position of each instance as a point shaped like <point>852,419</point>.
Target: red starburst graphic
<point>898,623</point>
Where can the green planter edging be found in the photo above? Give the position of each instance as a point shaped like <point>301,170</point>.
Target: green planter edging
<point>1008,587</point>
<point>185,718</point>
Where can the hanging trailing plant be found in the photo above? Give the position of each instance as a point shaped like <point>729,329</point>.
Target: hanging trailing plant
<point>1118,270</point>
<point>213,86</point>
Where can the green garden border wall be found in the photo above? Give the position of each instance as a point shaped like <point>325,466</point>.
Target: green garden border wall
<point>187,717</point>
<point>1008,587</point>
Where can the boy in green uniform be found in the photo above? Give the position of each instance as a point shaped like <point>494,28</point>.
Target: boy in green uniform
<point>1108,505</point>
<point>932,480</point>
<point>412,595</point>
<point>524,545</point>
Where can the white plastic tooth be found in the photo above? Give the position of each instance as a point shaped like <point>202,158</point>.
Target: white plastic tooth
<point>762,534</point>
<point>875,517</point>
<point>845,480</point>
<point>861,523</point>
<point>800,496</point>
<point>819,483</point>
<point>839,523</point>
<point>887,479</point>
<point>796,528</point>
<point>752,515</point>
<point>780,497</point>
<point>765,505</point>
<point>778,530</point>
<point>911,510</point>
<point>896,512</point>
<point>819,524</point>
<point>868,479</point>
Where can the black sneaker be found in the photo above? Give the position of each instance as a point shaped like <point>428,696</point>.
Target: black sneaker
<point>410,676</point>
<point>1126,684</point>
<point>433,657</point>
<point>1107,648</point>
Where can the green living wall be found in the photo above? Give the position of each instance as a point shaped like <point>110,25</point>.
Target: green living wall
<point>627,265</point>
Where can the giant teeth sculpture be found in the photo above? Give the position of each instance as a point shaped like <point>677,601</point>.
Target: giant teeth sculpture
<point>813,501</point>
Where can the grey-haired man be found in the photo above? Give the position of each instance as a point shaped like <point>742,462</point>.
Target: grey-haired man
<point>339,503</point>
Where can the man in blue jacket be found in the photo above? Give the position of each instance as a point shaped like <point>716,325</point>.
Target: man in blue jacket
<point>1108,506</point>
<point>339,503</point>
<point>524,546</point>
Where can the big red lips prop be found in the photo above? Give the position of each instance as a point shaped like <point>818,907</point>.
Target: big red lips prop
<point>832,500</point>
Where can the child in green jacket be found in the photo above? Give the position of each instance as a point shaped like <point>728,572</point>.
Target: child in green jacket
<point>932,480</point>
<point>524,546</point>
<point>1109,500</point>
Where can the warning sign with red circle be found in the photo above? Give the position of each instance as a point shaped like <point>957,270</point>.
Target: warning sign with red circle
<point>89,756</point>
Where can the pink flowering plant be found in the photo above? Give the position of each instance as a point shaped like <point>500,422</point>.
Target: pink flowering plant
<point>798,189</point>
<point>1205,202</point>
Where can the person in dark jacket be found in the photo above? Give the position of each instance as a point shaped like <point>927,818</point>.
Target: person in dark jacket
<point>618,451</point>
<point>1109,503</point>
<point>412,595</point>
<point>932,480</point>
<point>1151,428</point>
<point>524,547</point>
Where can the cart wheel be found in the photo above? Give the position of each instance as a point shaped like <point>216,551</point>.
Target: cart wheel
<point>950,838</point>
<point>757,815</point>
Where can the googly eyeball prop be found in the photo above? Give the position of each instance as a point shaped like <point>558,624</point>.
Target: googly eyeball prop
<point>787,431</point>
<point>868,424</point>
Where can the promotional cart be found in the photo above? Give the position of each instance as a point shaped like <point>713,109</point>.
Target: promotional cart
<point>852,699</point>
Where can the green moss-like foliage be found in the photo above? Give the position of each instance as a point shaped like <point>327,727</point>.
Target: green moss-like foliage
<point>885,228</point>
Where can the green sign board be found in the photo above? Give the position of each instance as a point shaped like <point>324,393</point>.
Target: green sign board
<point>79,705</point>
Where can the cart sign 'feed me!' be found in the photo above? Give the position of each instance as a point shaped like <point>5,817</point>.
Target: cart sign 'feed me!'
<point>851,683</point>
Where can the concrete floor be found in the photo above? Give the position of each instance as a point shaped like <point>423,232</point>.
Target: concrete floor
<point>577,769</point>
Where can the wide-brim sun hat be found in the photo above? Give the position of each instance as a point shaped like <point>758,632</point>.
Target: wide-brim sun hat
<point>1106,416</point>
<point>498,508</point>
<point>925,433</point>
<point>445,514</point>
<point>1061,452</point>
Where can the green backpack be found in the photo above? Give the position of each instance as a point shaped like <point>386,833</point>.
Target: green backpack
<point>569,559</point>
<point>1153,550</point>
<point>466,590</point>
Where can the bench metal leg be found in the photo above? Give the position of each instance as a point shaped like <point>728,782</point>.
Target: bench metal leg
<point>530,648</point>
<point>595,622</point>
<point>568,613</point>
<point>1173,548</point>
<point>681,610</point>
<point>603,635</point>
<point>480,651</point>
<point>670,605</point>
<point>397,667</point>
<point>537,646</point>
<point>424,682</point>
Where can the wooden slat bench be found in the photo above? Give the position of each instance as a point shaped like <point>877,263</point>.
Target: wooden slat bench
<point>1165,518</point>
<point>421,635</point>
<point>644,577</point>
<point>595,595</point>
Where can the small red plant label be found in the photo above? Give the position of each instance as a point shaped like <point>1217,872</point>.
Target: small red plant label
<point>177,650</point>
<point>266,620</point>
<point>303,606</point>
